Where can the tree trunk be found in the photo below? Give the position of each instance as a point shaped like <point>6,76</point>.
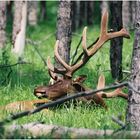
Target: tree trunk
<point>133,111</point>
<point>32,12</point>
<point>133,13</point>
<point>116,43</point>
<point>43,11</point>
<point>2,23</point>
<point>19,27</point>
<point>64,23</point>
<point>126,14</point>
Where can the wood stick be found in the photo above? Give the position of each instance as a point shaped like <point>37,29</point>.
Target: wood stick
<point>38,130</point>
<point>58,102</point>
<point>18,63</point>
<point>64,99</point>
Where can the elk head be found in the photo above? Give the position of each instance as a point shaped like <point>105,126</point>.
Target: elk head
<point>66,85</point>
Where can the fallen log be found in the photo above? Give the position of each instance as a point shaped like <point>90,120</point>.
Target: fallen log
<point>38,130</point>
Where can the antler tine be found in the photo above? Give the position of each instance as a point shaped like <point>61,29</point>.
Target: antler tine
<point>53,75</point>
<point>84,45</point>
<point>122,32</point>
<point>52,70</point>
<point>49,64</point>
<point>104,23</point>
<point>69,69</point>
<point>104,36</point>
<point>61,61</point>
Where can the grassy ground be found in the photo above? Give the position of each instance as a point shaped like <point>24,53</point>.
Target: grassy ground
<point>23,78</point>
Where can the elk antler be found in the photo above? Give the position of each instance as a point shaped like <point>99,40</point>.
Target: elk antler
<point>52,70</point>
<point>116,93</point>
<point>104,36</point>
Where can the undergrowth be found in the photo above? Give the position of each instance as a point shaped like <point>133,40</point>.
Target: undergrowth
<point>18,82</point>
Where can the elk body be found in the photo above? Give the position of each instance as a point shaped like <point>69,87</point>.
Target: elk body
<point>66,85</point>
<point>23,105</point>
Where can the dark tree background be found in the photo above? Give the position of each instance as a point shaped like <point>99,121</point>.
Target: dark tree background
<point>82,13</point>
<point>43,10</point>
<point>116,43</point>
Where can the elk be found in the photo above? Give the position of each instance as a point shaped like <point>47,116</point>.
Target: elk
<point>65,85</point>
<point>23,105</point>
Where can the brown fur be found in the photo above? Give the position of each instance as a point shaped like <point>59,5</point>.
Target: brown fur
<point>69,86</point>
<point>23,105</point>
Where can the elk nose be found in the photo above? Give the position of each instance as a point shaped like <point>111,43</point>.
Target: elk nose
<point>41,95</point>
<point>38,94</point>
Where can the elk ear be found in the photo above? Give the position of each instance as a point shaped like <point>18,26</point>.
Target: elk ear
<point>80,78</point>
<point>101,82</point>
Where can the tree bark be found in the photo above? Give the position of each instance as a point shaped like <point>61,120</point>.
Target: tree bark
<point>116,43</point>
<point>64,25</point>
<point>32,12</point>
<point>2,23</point>
<point>126,14</point>
<point>133,13</point>
<point>133,111</point>
<point>19,27</point>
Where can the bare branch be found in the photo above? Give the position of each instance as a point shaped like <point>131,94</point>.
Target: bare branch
<point>76,51</point>
<point>18,63</point>
<point>60,101</point>
<point>119,122</point>
<point>39,42</point>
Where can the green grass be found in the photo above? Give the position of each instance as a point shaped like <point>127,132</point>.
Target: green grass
<point>23,79</point>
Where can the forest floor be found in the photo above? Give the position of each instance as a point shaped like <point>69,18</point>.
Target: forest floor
<point>22,80</point>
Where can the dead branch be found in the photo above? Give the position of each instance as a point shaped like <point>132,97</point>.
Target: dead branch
<point>42,58</point>
<point>38,130</point>
<point>119,122</point>
<point>35,44</point>
<point>80,94</point>
<point>39,42</point>
<point>18,63</point>
<point>80,56</point>
<point>60,101</point>
<point>76,51</point>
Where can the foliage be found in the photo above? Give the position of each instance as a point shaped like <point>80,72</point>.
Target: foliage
<point>24,78</point>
